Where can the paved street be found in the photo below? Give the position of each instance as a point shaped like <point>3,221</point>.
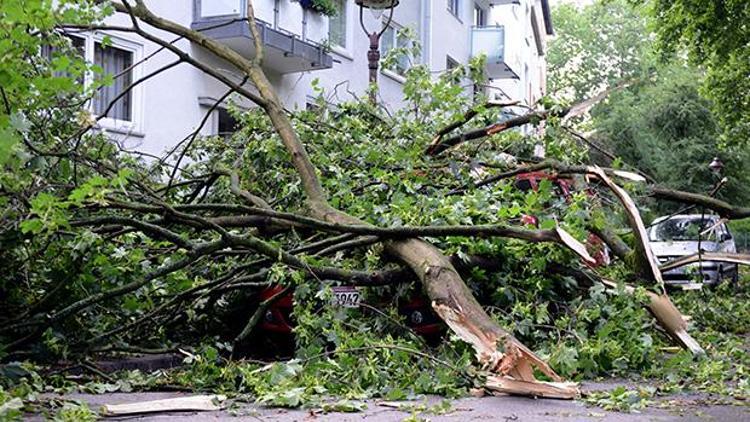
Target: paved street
<point>510,409</point>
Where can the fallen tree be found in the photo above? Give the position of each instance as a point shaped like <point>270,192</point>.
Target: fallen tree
<point>273,214</point>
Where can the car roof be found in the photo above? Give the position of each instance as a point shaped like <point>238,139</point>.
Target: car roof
<point>713,217</point>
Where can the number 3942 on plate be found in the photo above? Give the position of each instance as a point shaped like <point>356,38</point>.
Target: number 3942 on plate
<point>346,296</point>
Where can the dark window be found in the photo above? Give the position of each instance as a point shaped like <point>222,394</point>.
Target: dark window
<point>450,63</point>
<point>227,123</point>
<point>77,44</point>
<point>391,39</point>
<point>337,24</point>
<point>480,16</point>
<point>116,63</point>
<point>454,6</point>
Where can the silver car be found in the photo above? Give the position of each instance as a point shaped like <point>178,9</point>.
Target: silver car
<point>673,237</point>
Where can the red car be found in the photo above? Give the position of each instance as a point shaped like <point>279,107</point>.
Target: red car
<point>416,310</point>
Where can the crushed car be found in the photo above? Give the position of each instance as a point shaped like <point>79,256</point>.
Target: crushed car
<point>676,236</point>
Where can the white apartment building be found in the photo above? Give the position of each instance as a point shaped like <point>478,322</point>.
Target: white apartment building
<point>301,46</point>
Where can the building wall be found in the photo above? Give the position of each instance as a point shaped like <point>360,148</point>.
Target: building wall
<point>524,58</point>
<point>171,105</point>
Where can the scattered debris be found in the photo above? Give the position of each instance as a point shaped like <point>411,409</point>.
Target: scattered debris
<point>206,403</point>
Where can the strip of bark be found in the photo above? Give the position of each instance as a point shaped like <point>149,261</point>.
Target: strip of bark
<point>733,258</point>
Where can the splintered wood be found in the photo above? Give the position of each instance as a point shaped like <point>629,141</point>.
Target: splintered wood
<point>668,316</point>
<point>509,371</point>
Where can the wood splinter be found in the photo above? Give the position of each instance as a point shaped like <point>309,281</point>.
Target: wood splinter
<point>510,371</point>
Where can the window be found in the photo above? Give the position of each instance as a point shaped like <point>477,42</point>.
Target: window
<point>450,63</point>
<point>480,16</point>
<point>392,38</point>
<point>454,6</point>
<point>118,59</point>
<point>337,25</point>
<point>688,228</point>
<point>117,63</point>
<point>50,53</point>
<point>227,123</point>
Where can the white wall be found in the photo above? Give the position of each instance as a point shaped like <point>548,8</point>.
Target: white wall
<point>168,107</point>
<point>522,55</point>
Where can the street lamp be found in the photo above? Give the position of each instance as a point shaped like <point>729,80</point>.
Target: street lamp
<point>716,166</point>
<point>373,55</point>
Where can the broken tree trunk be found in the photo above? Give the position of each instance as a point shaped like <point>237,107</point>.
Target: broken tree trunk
<point>668,316</point>
<point>648,266</point>
<point>510,367</point>
<point>508,361</point>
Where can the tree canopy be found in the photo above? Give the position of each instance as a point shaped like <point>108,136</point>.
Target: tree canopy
<point>660,116</point>
<point>716,36</point>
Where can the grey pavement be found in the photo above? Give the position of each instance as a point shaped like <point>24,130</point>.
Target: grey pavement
<point>689,407</point>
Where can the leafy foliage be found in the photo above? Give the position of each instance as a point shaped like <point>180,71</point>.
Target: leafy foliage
<point>715,35</point>
<point>668,129</point>
<point>662,122</point>
<point>597,47</point>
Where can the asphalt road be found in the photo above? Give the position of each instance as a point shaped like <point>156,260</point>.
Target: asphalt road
<point>505,409</point>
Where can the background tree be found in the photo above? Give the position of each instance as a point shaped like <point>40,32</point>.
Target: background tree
<point>597,47</point>
<point>661,122</point>
<point>716,36</point>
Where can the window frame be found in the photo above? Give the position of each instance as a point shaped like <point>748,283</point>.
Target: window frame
<point>454,8</point>
<point>345,49</point>
<point>136,99</point>
<point>394,73</point>
<point>479,11</point>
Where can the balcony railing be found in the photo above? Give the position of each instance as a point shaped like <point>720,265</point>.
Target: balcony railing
<point>285,51</point>
<point>490,41</point>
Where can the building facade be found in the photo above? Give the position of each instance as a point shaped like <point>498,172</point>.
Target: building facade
<point>302,46</point>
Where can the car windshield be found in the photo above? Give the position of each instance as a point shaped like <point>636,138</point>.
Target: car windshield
<point>682,229</point>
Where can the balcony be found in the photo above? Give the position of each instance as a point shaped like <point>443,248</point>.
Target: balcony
<point>490,40</point>
<point>285,51</point>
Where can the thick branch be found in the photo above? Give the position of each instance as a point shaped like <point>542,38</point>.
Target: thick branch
<point>578,109</point>
<point>723,208</point>
<point>442,145</point>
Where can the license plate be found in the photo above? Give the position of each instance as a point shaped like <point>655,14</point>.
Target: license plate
<point>346,296</point>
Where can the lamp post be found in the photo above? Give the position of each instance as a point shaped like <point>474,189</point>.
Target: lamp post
<point>716,166</point>
<point>373,55</point>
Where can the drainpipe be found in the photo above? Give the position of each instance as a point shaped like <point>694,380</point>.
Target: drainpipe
<point>425,11</point>
<point>276,7</point>
<point>304,24</point>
